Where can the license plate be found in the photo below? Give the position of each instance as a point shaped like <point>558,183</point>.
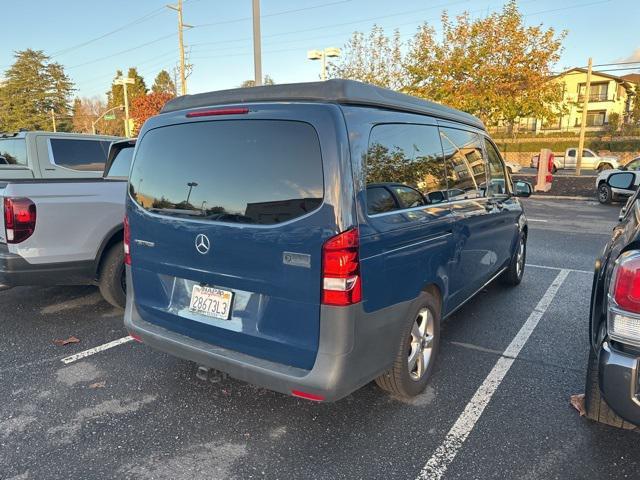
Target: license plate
<point>212,302</point>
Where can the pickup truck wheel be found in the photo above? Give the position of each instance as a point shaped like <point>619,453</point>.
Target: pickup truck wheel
<point>417,352</point>
<point>604,166</point>
<point>513,274</point>
<point>604,193</point>
<point>597,408</point>
<point>112,276</point>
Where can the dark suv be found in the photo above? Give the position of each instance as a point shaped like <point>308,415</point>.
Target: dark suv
<point>613,375</point>
<point>310,238</point>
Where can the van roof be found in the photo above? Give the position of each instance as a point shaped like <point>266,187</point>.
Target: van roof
<point>343,92</point>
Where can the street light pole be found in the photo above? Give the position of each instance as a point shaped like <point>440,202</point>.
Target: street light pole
<point>257,48</point>
<point>330,52</point>
<point>124,81</point>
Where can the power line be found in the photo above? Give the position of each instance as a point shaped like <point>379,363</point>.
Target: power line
<point>283,12</point>
<point>148,16</point>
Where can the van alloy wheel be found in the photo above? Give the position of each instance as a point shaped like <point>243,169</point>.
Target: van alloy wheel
<point>420,344</point>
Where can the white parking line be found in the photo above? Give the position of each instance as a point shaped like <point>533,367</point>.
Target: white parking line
<point>536,220</point>
<point>99,348</point>
<point>447,451</point>
<point>558,268</point>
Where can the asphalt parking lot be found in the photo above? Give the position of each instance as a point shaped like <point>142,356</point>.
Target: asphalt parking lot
<point>497,405</point>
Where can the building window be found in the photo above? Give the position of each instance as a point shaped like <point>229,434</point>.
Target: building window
<point>595,118</point>
<point>599,92</point>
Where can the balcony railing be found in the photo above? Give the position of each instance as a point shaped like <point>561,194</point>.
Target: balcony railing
<point>595,97</point>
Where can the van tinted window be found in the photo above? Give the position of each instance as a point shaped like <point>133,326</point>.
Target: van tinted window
<point>465,164</point>
<point>80,154</point>
<point>409,155</point>
<point>121,163</point>
<point>13,151</point>
<point>241,171</point>
<point>379,200</point>
<point>497,177</point>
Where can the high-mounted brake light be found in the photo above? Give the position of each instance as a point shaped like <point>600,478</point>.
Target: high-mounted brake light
<point>341,283</point>
<point>19,219</point>
<point>218,111</point>
<point>127,242</point>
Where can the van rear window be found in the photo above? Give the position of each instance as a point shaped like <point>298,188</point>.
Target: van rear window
<point>239,171</point>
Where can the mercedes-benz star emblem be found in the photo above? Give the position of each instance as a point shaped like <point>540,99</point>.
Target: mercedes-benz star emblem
<point>202,244</point>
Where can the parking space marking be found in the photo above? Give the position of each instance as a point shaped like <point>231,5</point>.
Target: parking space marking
<point>533,265</point>
<point>99,348</point>
<point>437,465</point>
<point>536,220</point>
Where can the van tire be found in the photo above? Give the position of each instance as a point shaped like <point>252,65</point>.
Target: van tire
<point>512,276</point>
<point>596,407</point>
<point>111,279</point>
<point>398,380</point>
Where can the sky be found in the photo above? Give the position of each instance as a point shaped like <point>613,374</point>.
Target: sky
<point>93,39</point>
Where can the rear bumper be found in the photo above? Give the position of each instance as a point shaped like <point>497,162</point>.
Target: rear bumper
<point>354,348</point>
<point>619,382</point>
<point>16,271</point>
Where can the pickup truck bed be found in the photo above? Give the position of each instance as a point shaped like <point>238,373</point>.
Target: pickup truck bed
<point>81,215</point>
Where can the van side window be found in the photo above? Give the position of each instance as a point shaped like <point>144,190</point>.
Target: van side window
<point>379,200</point>
<point>497,178</point>
<point>79,154</point>
<point>407,155</point>
<point>465,163</point>
<point>13,151</point>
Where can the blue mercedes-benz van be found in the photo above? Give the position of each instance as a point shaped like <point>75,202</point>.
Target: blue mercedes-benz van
<point>310,238</point>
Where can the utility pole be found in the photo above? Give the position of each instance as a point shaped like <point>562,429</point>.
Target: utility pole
<point>53,120</point>
<point>257,49</point>
<point>124,81</point>
<point>583,124</point>
<point>181,27</point>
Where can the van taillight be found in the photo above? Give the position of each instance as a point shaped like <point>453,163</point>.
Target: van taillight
<point>19,219</point>
<point>127,242</point>
<point>341,283</point>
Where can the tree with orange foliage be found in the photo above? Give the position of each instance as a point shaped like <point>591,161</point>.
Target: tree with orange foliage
<point>147,106</point>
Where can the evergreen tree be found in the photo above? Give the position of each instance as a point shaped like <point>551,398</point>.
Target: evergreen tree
<point>33,87</point>
<point>164,84</point>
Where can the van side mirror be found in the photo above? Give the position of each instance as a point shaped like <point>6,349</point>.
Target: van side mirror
<point>523,189</point>
<point>622,180</point>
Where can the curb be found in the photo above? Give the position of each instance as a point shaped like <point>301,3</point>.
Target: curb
<point>563,197</point>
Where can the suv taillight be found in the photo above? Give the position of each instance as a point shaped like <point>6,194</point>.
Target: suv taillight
<point>626,283</point>
<point>341,282</point>
<point>623,322</point>
<point>19,219</point>
<point>127,242</point>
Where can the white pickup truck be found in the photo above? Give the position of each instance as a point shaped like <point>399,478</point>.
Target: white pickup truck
<point>63,197</point>
<point>590,161</point>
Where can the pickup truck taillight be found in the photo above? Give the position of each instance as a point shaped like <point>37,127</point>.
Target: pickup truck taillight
<point>341,284</point>
<point>19,219</point>
<point>623,320</point>
<point>127,242</point>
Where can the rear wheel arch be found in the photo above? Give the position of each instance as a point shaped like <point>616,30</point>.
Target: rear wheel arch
<point>115,236</point>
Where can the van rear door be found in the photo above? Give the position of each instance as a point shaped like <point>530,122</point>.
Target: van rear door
<point>227,224</point>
